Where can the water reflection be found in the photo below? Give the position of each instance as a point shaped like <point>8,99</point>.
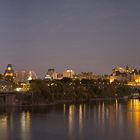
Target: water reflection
<point>3,126</point>
<point>64,109</point>
<point>107,117</point>
<point>98,120</point>
<point>80,118</point>
<point>10,124</point>
<point>71,118</point>
<point>25,125</point>
<point>134,117</point>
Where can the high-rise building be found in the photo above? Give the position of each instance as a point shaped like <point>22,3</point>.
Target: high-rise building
<point>25,76</point>
<point>51,74</point>
<point>69,74</point>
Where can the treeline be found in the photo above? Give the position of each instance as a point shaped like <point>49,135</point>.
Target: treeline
<point>46,91</point>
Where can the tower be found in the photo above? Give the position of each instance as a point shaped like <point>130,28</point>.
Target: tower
<point>9,73</point>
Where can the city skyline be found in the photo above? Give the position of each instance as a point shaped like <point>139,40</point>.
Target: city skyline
<point>85,35</point>
<point>54,74</point>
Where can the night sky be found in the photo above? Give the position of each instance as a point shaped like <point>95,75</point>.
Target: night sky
<point>84,35</point>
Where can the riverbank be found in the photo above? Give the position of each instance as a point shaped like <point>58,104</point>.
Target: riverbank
<point>65,102</point>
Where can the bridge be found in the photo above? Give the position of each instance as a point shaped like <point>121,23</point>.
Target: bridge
<point>7,98</point>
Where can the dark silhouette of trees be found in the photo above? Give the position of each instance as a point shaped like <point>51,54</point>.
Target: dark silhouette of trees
<point>75,90</point>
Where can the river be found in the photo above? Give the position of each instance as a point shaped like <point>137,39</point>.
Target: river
<point>99,120</point>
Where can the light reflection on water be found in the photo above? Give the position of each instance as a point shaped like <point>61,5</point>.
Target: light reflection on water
<point>134,117</point>
<point>99,120</point>
<point>3,125</point>
<point>25,126</point>
<point>71,118</point>
<point>80,118</point>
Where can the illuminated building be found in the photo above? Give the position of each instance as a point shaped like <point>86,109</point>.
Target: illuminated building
<point>122,74</point>
<point>135,81</point>
<point>136,78</point>
<point>25,76</point>
<point>112,79</point>
<point>69,74</point>
<point>51,74</point>
<point>88,75</point>
<point>120,71</point>
<point>118,78</point>
<point>22,79</point>
<point>48,77</point>
<point>9,73</point>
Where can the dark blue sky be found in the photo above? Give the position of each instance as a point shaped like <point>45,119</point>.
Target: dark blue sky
<point>85,35</point>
